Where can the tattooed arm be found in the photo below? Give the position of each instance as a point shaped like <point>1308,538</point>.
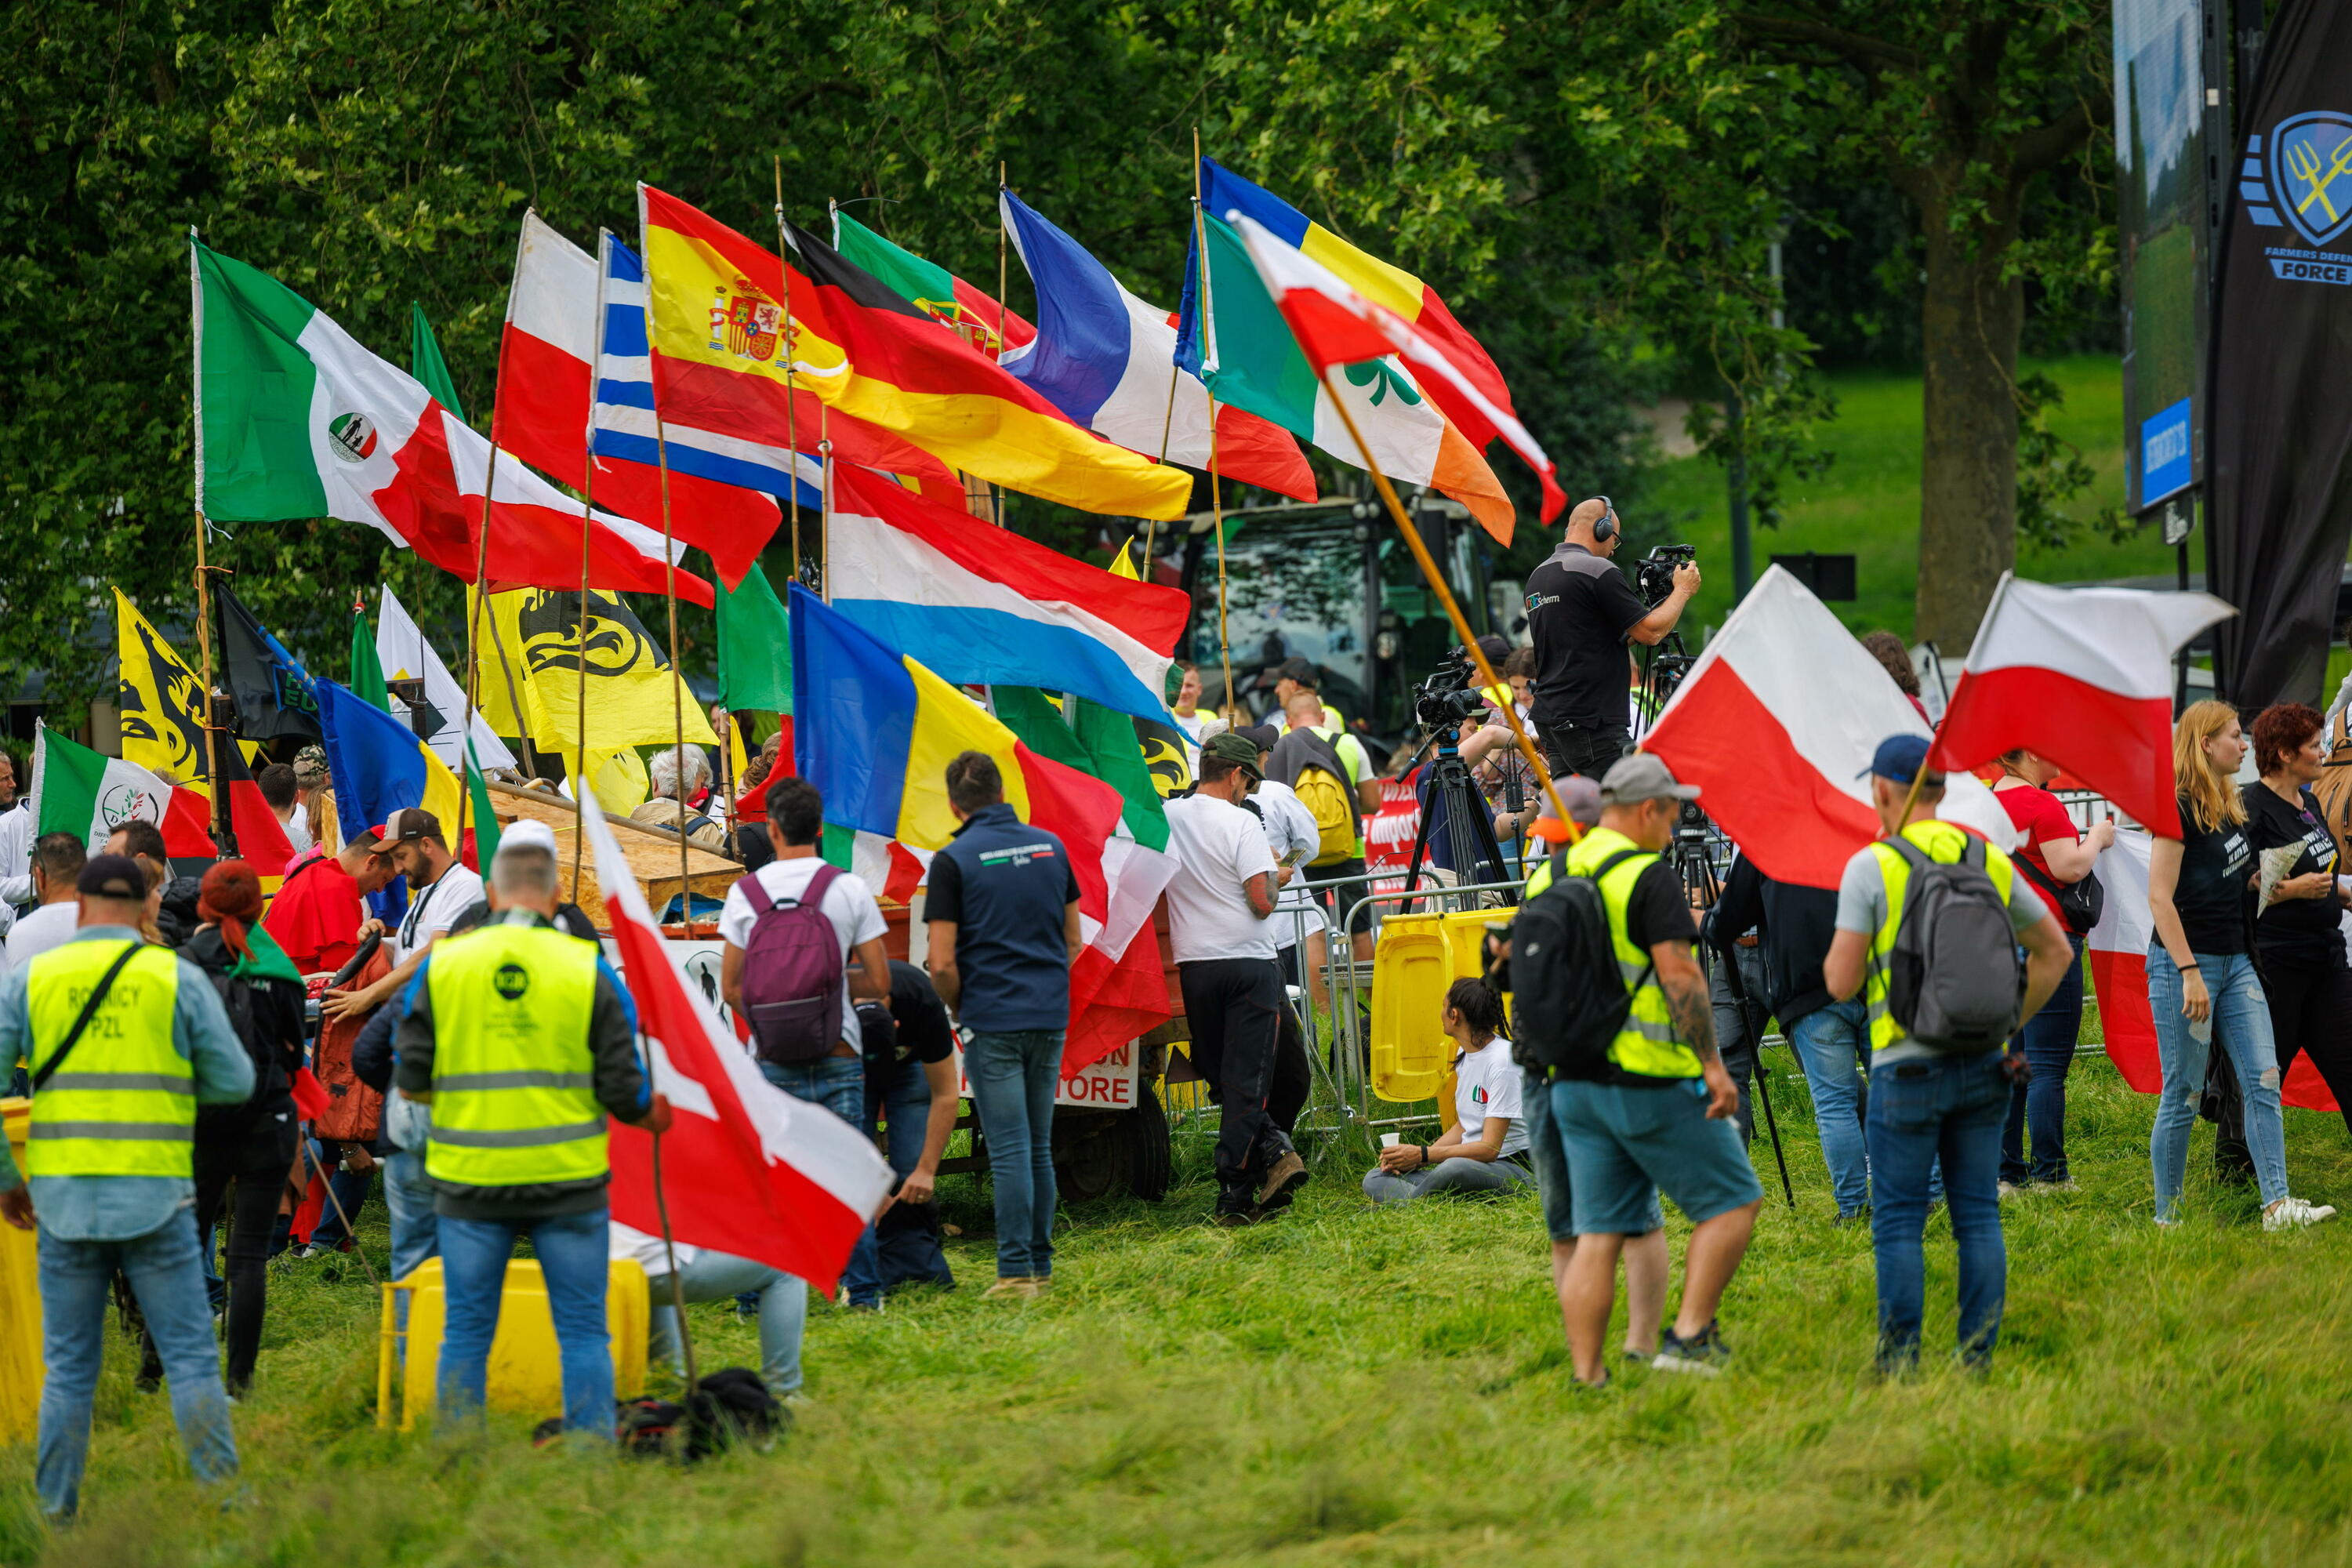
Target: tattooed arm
<point>1692,1007</point>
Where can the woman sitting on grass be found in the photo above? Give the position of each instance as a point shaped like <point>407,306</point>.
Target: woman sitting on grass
<point>1485,1149</point>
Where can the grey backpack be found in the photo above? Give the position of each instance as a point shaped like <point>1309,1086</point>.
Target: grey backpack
<point>1954,980</point>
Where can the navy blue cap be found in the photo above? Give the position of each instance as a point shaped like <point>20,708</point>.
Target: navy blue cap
<point>1899,757</point>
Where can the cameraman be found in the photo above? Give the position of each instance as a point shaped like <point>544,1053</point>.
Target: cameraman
<point>1581,613</point>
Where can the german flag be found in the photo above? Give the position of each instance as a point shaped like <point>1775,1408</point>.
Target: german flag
<point>719,335</point>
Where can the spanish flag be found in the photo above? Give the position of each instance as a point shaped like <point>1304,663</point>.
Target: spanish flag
<point>715,316</point>
<point>875,732</point>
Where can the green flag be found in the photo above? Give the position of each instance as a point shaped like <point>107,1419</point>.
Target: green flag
<point>755,648</point>
<point>367,670</point>
<point>1101,743</point>
<point>486,821</point>
<point>426,363</point>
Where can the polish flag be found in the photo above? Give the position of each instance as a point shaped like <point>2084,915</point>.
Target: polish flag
<point>2118,948</point>
<point>747,1169</point>
<point>1777,723</point>
<point>2083,677</point>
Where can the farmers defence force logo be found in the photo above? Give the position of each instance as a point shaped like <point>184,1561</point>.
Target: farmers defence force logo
<point>2305,182</point>
<point>129,803</point>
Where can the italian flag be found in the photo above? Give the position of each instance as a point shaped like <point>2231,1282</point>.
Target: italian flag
<point>81,792</point>
<point>295,419</point>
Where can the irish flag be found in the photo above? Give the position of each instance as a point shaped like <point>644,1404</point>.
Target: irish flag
<point>295,419</point>
<point>81,792</point>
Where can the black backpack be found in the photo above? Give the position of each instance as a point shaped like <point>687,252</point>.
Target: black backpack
<point>1567,1002</point>
<point>1953,980</point>
<point>2077,905</point>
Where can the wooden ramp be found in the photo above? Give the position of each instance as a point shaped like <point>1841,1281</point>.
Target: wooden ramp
<point>652,852</point>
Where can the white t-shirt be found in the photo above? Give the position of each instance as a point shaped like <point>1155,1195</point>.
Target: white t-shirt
<point>298,827</point>
<point>1218,849</point>
<point>1291,833</point>
<point>626,1241</point>
<point>51,925</point>
<point>849,904</point>
<point>1486,1083</point>
<point>432,910</point>
<point>17,837</point>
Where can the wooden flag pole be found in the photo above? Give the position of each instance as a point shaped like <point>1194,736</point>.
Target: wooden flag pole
<point>1436,581</point>
<point>579,780</point>
<point>481,592</point>
<point>677,689</point>
<point>784,341</point>
<point>224,824</point>
<point>1216,496</point>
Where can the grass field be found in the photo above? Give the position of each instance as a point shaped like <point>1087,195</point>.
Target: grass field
<point>1344,1386</point>
<point>1868,501</point>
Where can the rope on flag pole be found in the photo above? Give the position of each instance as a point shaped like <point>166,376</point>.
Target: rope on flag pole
<point>792,427</point>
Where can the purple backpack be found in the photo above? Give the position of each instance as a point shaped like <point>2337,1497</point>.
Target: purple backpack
<point>793,977</point>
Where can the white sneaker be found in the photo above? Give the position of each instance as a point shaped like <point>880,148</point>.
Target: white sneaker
<point>2291,1213</point>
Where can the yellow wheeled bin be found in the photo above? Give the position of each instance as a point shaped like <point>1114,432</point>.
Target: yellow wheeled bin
<point>20,1306</point>
<point>1411,970</point>
<point>526,1372</point>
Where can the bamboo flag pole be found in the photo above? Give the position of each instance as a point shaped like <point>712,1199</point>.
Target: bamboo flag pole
<point>996,499</point>
<point>676,686</point>
<point>222,834</point>
<point>1216,496</point>
<point>792,427</point>
<point>587,511</point>
<point>1436,581</point>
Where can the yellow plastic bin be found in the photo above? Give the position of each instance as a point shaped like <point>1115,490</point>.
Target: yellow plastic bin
<point>526,1366</point>
<point>1411,970</point>
<point>20,1306</point>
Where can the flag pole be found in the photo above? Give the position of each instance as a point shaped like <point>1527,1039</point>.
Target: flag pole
<point>1436,581</point>
<point>587,512</point>
<point>223,832</point>
<point>791,428</point>
<point>676,1288</point>
<point>481,580</point>
<point>677,690</point>
<point>824,507</point>
<point>1216,496</point>
<point>997,498</point>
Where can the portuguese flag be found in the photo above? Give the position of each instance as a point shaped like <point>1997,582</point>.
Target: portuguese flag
<point>295,419</point>
<point>80,791</point>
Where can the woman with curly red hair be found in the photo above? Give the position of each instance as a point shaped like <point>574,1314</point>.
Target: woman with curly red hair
<point>2299,937</point>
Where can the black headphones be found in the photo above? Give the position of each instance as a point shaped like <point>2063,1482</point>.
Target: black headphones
<point>1606,529</point>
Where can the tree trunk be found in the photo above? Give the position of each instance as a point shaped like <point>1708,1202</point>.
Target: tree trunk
<point>1969,323</point>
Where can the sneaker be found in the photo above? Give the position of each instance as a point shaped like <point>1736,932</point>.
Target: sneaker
<point>1704,1353</point>
<point>1014,1285</point>
<point>1288,1174</point>
<point>1636,1360</point>
<point>2292,1214</point>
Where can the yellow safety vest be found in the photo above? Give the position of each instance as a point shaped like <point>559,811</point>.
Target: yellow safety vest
<point>514,1100</point>
<point>1646,1044</point>
<point>1939,841</point>
<point>124,1102</point>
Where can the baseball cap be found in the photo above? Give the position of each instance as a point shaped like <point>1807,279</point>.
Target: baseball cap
<point>1262,736</point>
<point>1235,748</point>
<point>405,826</point>
<point>112,876</point>
<point>527,833</point>
<point>1582,798</point>
<point>1639,777</point>
<point>1900,758</point>
<point>1301,671</point>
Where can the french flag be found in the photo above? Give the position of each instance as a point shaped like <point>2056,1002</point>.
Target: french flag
<point>2083,677</point>
<point>747,1169</point>
<point>1777,723</point>
<point>984,607</point>
<point>1103,357</point>
<point>551,339</point>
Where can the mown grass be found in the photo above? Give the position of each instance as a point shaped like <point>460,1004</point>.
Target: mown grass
<point>1378,1387</point>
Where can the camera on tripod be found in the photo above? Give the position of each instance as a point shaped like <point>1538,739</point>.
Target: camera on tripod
<point>1653,574</point>
<point>1450,695</point>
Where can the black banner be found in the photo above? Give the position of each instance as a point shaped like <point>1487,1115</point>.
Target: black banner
<point>2281,490</point>
<point>273,694</point>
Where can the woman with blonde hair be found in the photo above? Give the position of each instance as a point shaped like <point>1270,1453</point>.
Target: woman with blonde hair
<point>2201,983</point>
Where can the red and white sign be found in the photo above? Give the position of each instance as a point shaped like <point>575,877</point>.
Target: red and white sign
<point>1107,1083</point>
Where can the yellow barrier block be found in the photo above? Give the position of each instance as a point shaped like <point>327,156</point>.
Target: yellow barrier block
<point>1411,967</point>
<point>526,1373</point>
<point>20,1306</point>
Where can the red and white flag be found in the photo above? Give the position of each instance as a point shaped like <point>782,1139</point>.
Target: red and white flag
<point>1776,723</point>
<point>2118,948</point>
<point>2083,678</point>
<point>747,1169</point>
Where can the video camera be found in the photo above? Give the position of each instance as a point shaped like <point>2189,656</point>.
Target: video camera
<point>1450,695</point>
<point>1653,574</point>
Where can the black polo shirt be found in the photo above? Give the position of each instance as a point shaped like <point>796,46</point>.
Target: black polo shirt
<point>1579,608</point>
<point>1005,884</point>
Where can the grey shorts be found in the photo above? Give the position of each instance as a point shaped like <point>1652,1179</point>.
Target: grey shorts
<point>1625,1145</point>
<point>1548,1157</point>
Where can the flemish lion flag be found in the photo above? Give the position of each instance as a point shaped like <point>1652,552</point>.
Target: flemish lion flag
<point>629,679</point>
<point>164,732</point>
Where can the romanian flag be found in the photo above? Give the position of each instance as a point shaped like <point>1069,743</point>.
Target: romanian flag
<point>380,766</point>
<point>1223,192</point>
<point>874,731</point>
<point>930,287</point>
<point>718,338</point>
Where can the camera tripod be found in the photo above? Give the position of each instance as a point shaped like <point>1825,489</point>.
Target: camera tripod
<point>1664,665</point>
<point>1470,840</point>
<point>1690,852</point>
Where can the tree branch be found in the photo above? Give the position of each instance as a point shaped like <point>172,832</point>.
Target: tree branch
<point>1852,46</point>
<point>2045,145</point>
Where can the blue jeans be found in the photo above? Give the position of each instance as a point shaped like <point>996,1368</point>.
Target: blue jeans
<point>574,1259</point>
<point>1920,1112</point>
<point>714,1277</point>
<point>169,1281</point>
<point>837,1083</point>
<point>1832,1044</point>
<point>2240,1021</point>
<point>1013,1080</point>
<point>415,1228</point>
<point>911,1255</point>
<point>2039,1107</point>
<point>350,1189</point>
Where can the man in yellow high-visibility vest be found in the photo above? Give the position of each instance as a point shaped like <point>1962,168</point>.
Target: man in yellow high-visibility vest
<point>522,1040</point>
<point>111,1155</point>
<point>1928,1104</point>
